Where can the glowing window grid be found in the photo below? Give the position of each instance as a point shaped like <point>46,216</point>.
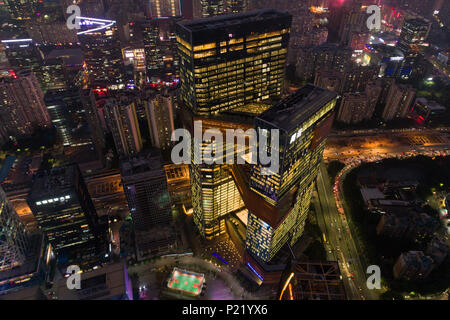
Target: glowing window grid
<point>186,281</point>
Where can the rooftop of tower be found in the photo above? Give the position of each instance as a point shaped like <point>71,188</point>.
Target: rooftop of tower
<point>228,20</point>
<point>54,181</point>
<point>297,107</point>
<point>148,162</point>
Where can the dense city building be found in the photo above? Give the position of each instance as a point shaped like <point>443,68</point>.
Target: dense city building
<point>412,38</point>
<point>23,54</point>
<point>353,108</point>
<point>93,119</point>
<point>425,111</point>
<point>398,102</point>
<point>22,105</point>
<point>14,240</point>
<point>68,116</point>
<point>122,120</point>
<point>22,9</point>
<point>413,265</point>
<point>353,79</point>
<point>145,187</point>
<point>160,47</point>
<point>165,8</point>
<point>359,106</point>
<point>102,54</point>
<point>326,56</point>
<point>353,22</point>
<point>111,282</point>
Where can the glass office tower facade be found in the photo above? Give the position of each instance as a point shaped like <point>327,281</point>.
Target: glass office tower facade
<point>304,120</point>
<point>227,62</point>
<point>232,60</point>
<point>13,236</point>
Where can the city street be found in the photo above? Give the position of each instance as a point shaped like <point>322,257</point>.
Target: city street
<point>340,241</point>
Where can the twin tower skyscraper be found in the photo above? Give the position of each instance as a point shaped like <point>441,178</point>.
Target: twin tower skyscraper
<point>232,73</point>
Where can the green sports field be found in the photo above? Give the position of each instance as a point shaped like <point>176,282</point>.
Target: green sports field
<point>186,281</point>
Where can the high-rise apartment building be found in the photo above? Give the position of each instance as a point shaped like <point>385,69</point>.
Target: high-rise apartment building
<point>232,60</point>
<point>123,122</point>
<point>352,79</point>
<point>63,208</point>
<point>353,21</point>
<point>353,108</point>
<point>413,265</point>
<point>22,105</point>
<point>398,102</point>
<point>160,114</point>
<point>326,56</point>
<point>304,120</point>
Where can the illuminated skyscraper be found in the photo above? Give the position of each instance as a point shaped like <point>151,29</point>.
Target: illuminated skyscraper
<point>227,62</point>
<point>13,236</point>
<point>165,8</point>
<point>304,120</point>
<point>232,60</point>
<point>160,49</point>
<point>325,56</point>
